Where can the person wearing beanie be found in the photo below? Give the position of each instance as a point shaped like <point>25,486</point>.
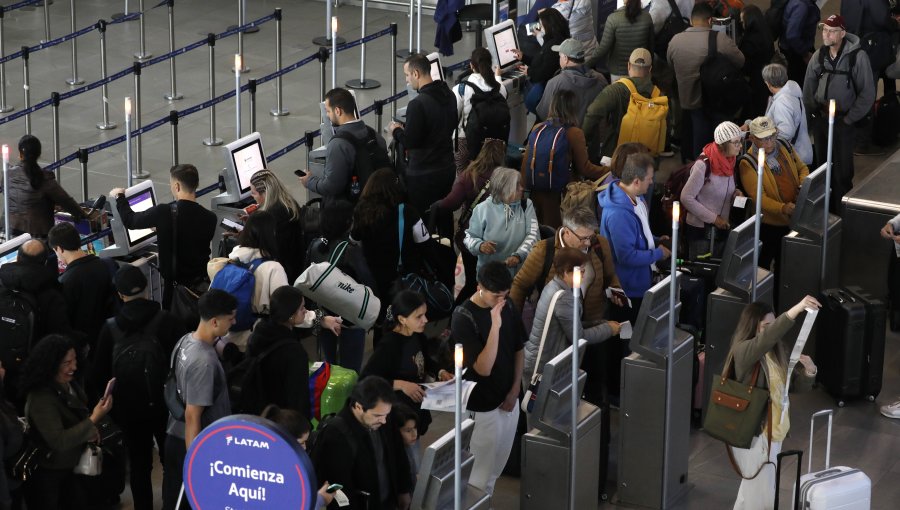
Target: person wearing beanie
<point>710,190</point>
<point>783,173</point>
<point>139,320</point>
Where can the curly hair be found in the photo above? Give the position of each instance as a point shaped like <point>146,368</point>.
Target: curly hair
<point>382,194</point>
<point>42,365</point>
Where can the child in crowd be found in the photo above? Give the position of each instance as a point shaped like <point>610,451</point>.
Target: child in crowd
<point>407,421</point>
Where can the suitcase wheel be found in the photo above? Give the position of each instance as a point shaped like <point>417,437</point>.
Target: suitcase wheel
<point>841,403</point>
<point>871,398</point>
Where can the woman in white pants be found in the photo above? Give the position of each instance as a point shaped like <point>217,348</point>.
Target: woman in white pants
<point>761,338</point>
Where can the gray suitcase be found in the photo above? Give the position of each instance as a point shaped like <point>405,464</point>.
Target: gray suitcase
<point>833,488</point>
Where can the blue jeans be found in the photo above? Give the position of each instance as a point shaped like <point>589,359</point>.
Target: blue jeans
<point>351,345</point>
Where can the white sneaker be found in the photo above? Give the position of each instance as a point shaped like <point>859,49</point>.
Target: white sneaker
<point>891,410</point>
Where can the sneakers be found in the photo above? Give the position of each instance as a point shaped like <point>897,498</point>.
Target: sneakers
<point>891,410</point>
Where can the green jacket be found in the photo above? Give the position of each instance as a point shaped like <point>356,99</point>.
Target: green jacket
<point>747,353</point>
<point>620,38</point>
<point>62,423</point>
<point>604,116</point>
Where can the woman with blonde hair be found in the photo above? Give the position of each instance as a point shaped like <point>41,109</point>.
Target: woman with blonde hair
<point>271,195</point>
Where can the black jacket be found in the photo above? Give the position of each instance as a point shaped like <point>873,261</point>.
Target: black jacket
<point>345,455</point>
<point>431,119</point>
<point>291,241</point>
<point>89,292</point>
<point>42,284</point>
<point>758,48</point>
<point>544,65</point>
<point>285,371</point>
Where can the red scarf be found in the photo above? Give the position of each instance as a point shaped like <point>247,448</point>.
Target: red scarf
<point>719,164</point>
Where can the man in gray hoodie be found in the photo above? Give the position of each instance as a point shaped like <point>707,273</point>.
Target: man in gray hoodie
<point>573,75</point>
<point>839,70</point>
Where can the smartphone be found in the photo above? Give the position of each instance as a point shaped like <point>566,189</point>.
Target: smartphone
<point>231,225</point>
<point>331,489</point>
<point>300,173</point>
<point>109,388</point>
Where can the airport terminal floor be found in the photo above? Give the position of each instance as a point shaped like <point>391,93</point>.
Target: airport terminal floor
<point>862,437</point>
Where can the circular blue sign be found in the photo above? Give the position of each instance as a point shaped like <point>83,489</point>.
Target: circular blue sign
<point>247,462</point>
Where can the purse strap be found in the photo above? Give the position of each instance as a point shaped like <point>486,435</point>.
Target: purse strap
<point>537,362</point>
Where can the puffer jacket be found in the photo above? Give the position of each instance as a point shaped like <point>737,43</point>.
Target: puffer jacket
<point>580,14</point>
<point>853,92</point>
<point>787,111</point>
<point>620,38</point>
<point>584,81</point>
<point>559,333</point>
<point>31,210</point>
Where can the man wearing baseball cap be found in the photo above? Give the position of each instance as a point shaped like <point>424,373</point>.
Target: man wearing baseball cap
<point>573,75</point>
<point>839,70</point>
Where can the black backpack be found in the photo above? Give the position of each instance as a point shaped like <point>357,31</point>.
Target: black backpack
<point>675,24</point>
<point>369,157</point>
<point>139,365</point>
<point>775,17</point>
<point>488,118</point>
<point>722,83</point>
<point>245,381</point>
<point>17,315</point>
<point>313,445</point>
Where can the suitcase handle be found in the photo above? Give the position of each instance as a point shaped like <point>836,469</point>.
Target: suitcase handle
<point>780,457</point>
<point>812,426</point>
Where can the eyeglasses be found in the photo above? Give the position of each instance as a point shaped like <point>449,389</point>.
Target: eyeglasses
<point>831,30</point>
<point>583,239</point>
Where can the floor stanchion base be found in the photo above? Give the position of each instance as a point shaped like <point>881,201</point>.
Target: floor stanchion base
<point>326,41</point>
<point>403,53</point>
<point>244,69</point>
<point>175,96</point>
<point>7,109</point>
<point>279,113</point>
<point>363,84</point>
<point>75,81</point>
<point>107,126</point>
<point>120,15</point>
<point>142,56</point>
<point>249,30</point>
<point>212,142</point>
<point>140,175</point>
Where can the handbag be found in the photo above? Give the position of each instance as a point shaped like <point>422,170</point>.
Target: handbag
<point>437,296</point>
<point>735,410</point>
<point>91,461</point>
<point>338,292</point>
<point>23,464</point>
<point>171,396</point>
<point>185,298</point>
<point>531,393</point>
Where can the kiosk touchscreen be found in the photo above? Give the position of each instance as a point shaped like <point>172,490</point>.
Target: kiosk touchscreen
<point>736,272</point>
<point>810,210</point>
<point>502,43</point>
<point>434,489</point>
<point>553,405</point>
<point>9,250</point>
<point>140,197</point>
<point>243,158</point>
<point>651,328</point>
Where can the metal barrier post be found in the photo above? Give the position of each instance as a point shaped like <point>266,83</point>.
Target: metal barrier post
<point>419,26</point>
<point>334,29</point>
<point>74,80</point>
<point>412,15</point>
<point>326,40</point>
<point>278,111</point>
<point>138,149</point>
<point>4,108</point>
<point>308,141</point>
<point>104,89</point>
<point>172,95</point>
<point>362,83</point>
<point>251,88</point>
<point>120,15</point>
<point>143,55</point>
<point>5,150</point>
<point>248,30</point>
<point>394,68</point>
<point>240,38</point>
<point>237,95</point>
<point>379,111</point>
<point>26,87</point>
<point>323,58</point>
<point>212,140</point>
<point>173,129</point>
<point>83,159</point>
<point>129,172</point>
<point>54,96</point>
<point>46,21</point>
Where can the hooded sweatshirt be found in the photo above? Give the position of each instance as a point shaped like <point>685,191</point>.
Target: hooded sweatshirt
<point>584,81</point>
<point>632,253</point>
<point>787,111</point>
<point>513,230</point>
<point>853,92</point>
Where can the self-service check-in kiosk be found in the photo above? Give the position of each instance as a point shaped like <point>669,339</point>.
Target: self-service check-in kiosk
<point>243,158</point>
<point>546,448</point>
<point>653,465</point>
<point>434,488</point>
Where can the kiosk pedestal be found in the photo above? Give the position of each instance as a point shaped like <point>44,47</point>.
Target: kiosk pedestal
<point>800,264</point>
<point>643,446</point>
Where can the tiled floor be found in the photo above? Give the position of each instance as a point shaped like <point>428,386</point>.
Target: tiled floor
<point>862,437</point>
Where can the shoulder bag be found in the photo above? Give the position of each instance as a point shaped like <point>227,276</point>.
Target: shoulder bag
<point>736,410</point>
<point>531,393</point>
<point>185,297</point>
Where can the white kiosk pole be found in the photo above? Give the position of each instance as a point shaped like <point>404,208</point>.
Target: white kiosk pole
<point>130,176</point>
<point>670,345</point>
<point>831,108</point>
<point>457,422</point>
<point>334,29</point>
<point>6,233</point>
<point>576,398</point>
<point>237,94</point>
<point>760,164</point>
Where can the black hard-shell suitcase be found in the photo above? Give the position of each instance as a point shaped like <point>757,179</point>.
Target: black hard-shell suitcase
<point>876,317</point>
<point>841,345</point>
<point>778,464</point>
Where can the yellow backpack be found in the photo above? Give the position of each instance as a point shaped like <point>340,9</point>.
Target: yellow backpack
<point>645,119</point>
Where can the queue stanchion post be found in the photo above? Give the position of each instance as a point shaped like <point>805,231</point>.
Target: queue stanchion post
<point>379,112</point>
<point>26,86</point>
<point>46,22</point>
<point>173,95</point>
<point>138,144</point>
<point>412,18</point>
<point>326,39</point>
<point>251,89</point>
<point>74,80</point>
<point>82,161</point>
<point>142,55</point>
<point>4,108</point>
<point>323,58</point>
<point>104,89</point>
<point>173,130</point>
<point>278,111</point>
<point>213,140</point>
<point>240,37</point>
<point>125,14</point>
<point>54,105</point>
<point>237,95</point>
<point>5,150</point>
<point>362,83</point>
<point>394,68</point>
<point>249,30</point>
<point>129,163</point>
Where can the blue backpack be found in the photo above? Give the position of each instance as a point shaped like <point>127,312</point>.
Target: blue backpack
<point>547,157</point>
<point>238,279</point>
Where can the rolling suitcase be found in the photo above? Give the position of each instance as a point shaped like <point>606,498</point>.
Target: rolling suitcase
<point>778,463</point>
<point>840,345</point>
<point>876,317</point>
<point>838,487</point>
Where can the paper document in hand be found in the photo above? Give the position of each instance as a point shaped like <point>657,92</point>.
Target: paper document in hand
<point>441,396</point>
<point>805,330</point>
<point>625,330</point>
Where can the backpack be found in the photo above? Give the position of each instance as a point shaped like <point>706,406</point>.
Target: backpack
<point>315,438</point>
<point>547,157</point>
<point>851,56</point>
<point>245,382</point>
<point>584,194</point>
<point>369,157</point>
<point>676,183</point>
<point>775,17</point>
<point>488,118</point>
<point>722,83</point>
<point>18,311</point>
<point>645,119</point>
<point>138,364</point>
<point>238,279</point>
<point>675,24</point>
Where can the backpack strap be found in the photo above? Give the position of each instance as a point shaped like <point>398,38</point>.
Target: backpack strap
<point>629,85</point>
<point>799,121</point>
<point>547,321</point>
<point>711,48</point>
<point>400,229</point>
<point>337,253</point>
<point>255,263</point>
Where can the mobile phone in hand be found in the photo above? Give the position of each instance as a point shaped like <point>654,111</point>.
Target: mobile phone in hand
<point>300,173</point>
<point>109,388</point>
<point>331,489</point>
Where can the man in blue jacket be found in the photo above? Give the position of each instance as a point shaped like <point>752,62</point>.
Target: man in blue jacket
<point>625,223</point>
<point>798,38</point>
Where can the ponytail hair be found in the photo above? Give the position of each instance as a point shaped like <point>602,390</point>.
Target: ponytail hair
<point>633,9</point>
<point>481,61</point>
<point>404,304</point>
<point>30,148</point>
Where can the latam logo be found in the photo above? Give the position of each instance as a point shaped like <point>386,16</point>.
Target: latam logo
<point>243,441</point>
